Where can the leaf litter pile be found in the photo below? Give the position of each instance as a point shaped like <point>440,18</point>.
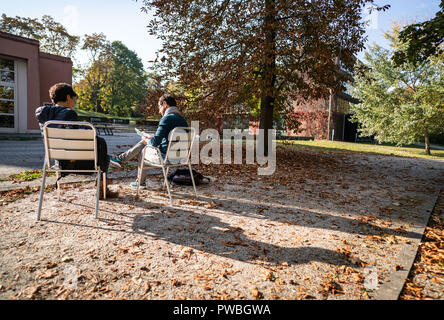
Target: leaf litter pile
<point>426,278</point>
<point>325,225</point>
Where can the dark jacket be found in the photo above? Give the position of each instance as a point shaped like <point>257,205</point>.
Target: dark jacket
<point>46,113</point>
<point>166,124</point>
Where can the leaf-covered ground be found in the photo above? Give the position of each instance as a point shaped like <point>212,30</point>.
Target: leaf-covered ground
<point>426,278</point>
<point>324,226</point>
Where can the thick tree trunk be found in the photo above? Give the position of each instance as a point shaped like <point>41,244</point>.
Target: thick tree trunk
<point>427,143</point>
<point>269,72</point>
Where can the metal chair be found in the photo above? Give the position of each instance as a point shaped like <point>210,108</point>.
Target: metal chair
<point>178,154</point>
<point>65,142</point>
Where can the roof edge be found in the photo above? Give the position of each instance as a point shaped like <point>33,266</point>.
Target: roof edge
<point>14,37</point>
<point>51,56</point>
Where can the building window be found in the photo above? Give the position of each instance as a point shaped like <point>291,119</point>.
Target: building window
<point>7,93</point>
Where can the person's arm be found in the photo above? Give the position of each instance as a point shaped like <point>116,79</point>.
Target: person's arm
<point>161,132</point>
<point>40,118</point>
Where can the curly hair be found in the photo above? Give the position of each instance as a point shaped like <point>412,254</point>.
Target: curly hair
<point>60,91</point>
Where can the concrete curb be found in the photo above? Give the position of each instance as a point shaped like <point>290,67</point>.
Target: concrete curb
<point>392,289</point>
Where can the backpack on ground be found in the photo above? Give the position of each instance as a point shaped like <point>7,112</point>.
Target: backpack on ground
<point>183,177</point>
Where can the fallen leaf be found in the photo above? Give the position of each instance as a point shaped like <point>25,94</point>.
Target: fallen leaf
<point>48,274</point>
<point>256,293</point>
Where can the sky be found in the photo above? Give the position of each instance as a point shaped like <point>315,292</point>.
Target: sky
<point>123,20</point>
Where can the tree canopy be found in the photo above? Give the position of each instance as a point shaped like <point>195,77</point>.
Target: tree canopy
<point>115,81</point>
<point>226,52</point>
<point>53,37</point>
<point>400,103</point>
<point>423,40</point>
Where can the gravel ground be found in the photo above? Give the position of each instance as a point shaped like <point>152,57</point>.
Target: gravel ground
<point>324,226</point>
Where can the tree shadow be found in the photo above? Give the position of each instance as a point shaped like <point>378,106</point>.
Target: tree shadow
<point>208,234</point>
<point>292,215</point>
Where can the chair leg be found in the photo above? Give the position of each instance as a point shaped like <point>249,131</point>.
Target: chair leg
<point>98,193</point>
<point>139,177</point>
<point>104,185</point>
<point>166,174</point>
<point>58,185</point>
<point>42,189</point>
<point>167,184</point>
<point>192,179</point>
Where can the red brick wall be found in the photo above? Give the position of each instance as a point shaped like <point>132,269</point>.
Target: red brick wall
<point>313,118</point>
<point>43,70</point>
<point>53,69</point>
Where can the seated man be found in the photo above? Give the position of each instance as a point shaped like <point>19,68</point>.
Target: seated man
<point>170,120</point>
<point>64,98</point>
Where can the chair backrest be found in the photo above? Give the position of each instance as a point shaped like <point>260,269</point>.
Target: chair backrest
<point>180,144</point>
<point>69,140</point>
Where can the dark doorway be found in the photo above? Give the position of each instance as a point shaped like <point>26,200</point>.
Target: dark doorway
<point>350,129</point>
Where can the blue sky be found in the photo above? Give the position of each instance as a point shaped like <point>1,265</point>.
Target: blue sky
<point>122,19</point>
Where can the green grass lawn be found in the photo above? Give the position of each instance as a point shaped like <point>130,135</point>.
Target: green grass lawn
<point>85,113</point>
<point>27,175</point>
<point>389,150</point>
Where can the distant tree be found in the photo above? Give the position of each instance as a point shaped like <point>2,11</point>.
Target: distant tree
<point>228,51</point>
<point>400,103</point>
<point>423,40</point>
<point>114,83</point>
<point>155,87</point>
<point>96,45</point>
<point>95,76</point>
<point>52,36</point>
<point>125,89</point>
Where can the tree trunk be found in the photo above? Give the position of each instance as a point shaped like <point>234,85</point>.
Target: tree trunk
<point>269,72</point>
<point>266,118</point>
<point>427,143</point>
<point>329,115</point>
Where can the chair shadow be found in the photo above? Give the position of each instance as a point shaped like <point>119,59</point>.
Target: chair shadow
<point>210,234</point>
<point>206,233</point>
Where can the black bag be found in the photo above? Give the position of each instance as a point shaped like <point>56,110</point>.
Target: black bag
<point>76,165</point>
<point>183,177</point>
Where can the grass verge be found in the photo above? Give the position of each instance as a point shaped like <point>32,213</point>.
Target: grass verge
<point>27,175</point>
<point>340,146</point>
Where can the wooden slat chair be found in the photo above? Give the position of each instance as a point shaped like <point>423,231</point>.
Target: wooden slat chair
<point>178,154</point>
<point>65,142</point>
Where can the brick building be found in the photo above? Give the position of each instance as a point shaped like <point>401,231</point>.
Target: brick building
<point>26,74</point>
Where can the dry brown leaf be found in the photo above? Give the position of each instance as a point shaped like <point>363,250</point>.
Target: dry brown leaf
<point>48,274</point>
<point>147,288</point>
<point>256,293</point>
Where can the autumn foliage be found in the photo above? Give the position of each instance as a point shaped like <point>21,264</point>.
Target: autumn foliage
<point>232,56</point>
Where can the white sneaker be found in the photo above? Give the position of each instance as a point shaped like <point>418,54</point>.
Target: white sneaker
<point>134,185</point>
<point>147,185</point>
